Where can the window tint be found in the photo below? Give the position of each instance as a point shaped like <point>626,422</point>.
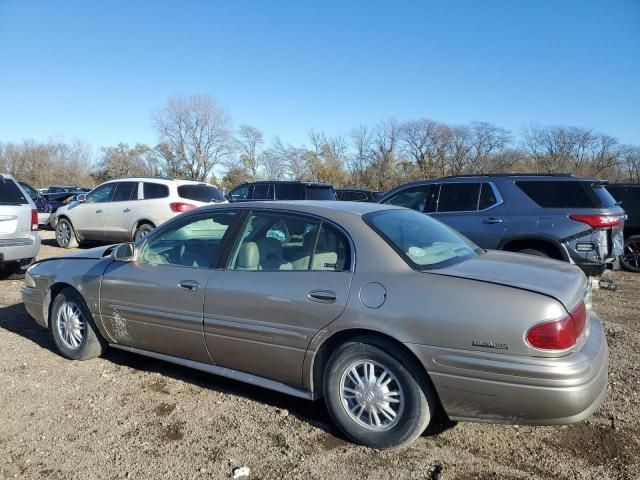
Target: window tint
<point>561,194</point>
<point>359,197</point>
<point>604,197</point>
<point>201,193</point>
<point>458,197</point>
<point>262,191</point>
<point>240,193</point>
<point>155,190</point>
<point>289,191</point>
<point>487,197</point>
<point>424,243</point>
<point>194,242</point>
<point>272,241</point>
<point>421,198</point>
<point>10,193</point>
<point>320,193</point>
<point>125,191</point>
<point>101,194</point>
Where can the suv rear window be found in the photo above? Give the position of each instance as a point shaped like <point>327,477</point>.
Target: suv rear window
<point>320,193</point>
<point>567,194</point>
<point>155,190</point>
<point>201,193</point>
<point>10,193</point>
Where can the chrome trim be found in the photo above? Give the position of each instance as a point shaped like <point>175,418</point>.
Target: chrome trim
<point>224,372</point>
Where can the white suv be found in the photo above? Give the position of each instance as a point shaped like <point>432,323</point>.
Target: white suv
<point>128,208</point>
<point>19,236</point>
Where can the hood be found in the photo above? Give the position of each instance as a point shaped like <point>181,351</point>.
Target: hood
<point>560,280</point>
<point>90,254</point>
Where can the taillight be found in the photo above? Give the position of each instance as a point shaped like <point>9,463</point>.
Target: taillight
<point>34,219</point>
<point>598,221</point>
<point>181,207</point>
<point>559,334</point>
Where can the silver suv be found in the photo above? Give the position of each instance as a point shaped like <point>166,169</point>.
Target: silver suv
<point>128,208</point>
<point>559,216</point>
<point>19,236</point>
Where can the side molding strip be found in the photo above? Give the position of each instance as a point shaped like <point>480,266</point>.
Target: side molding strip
<point>224,372</point>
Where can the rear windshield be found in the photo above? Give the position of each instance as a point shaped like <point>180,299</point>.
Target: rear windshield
<point>201,193</point>
<point>423,242</point>
<point>320,193</point>
<point>10,193</point>
<point>556,194</point>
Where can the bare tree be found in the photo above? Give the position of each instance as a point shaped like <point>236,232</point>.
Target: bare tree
<point>249,140</point>
<point>196,132</point>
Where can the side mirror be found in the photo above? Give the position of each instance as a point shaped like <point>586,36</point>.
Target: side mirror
<point>125,252</point>
<point>82,197</point>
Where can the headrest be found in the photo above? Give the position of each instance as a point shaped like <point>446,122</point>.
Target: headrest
<point>270,248</point>
<point>248,256</point>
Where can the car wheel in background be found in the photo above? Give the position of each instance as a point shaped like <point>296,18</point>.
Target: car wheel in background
<point>72,327</point>
<point>142,231</point>
<point>630,257</point>
<point>65,235</point>
<point>533,251</point>
<point>377,394</point>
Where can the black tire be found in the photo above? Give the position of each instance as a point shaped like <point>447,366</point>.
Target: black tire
<point>418,396</point>
<point>91,344</point>
<point>534,252</point>
<point>630,258</point>
<point>65,234</point>
<point>142,231</point>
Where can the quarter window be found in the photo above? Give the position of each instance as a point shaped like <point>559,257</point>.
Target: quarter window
<point>194,242</point>
<point>155,190</point>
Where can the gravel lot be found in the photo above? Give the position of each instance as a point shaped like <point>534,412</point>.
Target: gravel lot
<point>125,416</point>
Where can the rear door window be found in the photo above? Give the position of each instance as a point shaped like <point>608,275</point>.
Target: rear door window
<point>566,194</point>
<point>289,191</point>
<point>320,193</point>
<point>10,193</point>
<point>155,190</point>
<point>459,197</point>
<point>125,191</point>
<point>201,193</point>
<point>263,191</point>
<point>487,197</point>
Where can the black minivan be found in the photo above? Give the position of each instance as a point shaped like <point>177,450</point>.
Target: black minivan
<point>281,190</point>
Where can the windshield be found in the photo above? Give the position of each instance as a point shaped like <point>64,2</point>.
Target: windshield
<point>423,242</point>
<point>201,193</point>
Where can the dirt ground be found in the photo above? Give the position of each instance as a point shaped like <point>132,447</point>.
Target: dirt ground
<point>126,416</point>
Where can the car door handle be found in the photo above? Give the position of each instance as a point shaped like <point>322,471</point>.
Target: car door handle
<point>189,285</point>
<point>322,296</point>
<point>126,210</point>
<point>492,220</point>
<point>98,211</point>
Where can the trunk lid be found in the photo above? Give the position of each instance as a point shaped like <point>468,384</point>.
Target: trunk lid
<point>560,280</point>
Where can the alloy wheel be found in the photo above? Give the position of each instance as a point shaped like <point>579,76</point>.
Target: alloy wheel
<point>63,233</point>
<point>70,324</point>
<point>631,255</point>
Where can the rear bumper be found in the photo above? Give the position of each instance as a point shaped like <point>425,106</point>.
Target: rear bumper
<point>478,386</point>
<point>14,249</point>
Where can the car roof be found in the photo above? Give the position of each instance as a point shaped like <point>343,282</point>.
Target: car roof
<point>163,180</point>
<point>321,207</point>
<point>293,182</point>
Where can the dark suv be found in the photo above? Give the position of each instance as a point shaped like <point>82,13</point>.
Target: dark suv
<point>281,190</point>
<point>358,195</point>
<point>628,195</point>
<point>558,216</point>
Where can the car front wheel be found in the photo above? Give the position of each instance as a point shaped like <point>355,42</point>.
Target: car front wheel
<point>377,394</point>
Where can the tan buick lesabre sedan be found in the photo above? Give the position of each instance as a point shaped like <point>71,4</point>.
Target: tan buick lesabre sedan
<point>384,312</point>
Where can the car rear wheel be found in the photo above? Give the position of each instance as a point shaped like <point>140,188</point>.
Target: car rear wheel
<point>142,231</point>
<point>73,329</point>
<point>630,257</point>
<point>377,394</point>
<point>65,235</point>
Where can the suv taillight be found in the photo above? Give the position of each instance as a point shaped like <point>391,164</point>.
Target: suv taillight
<point>34,219</point>
<point>559,334</point>
<point>181,207</point>
<point>598,221</point>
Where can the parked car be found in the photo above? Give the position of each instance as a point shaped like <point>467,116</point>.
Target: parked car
<point>383,311</point>
<point>66,189</point>
<point>42,203</point>
<point>358,195</point>
<point>19,236</point>
<point>563,217</point>
<point>628,195</point>
<point>281,190</point>
<point>128,208</point>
